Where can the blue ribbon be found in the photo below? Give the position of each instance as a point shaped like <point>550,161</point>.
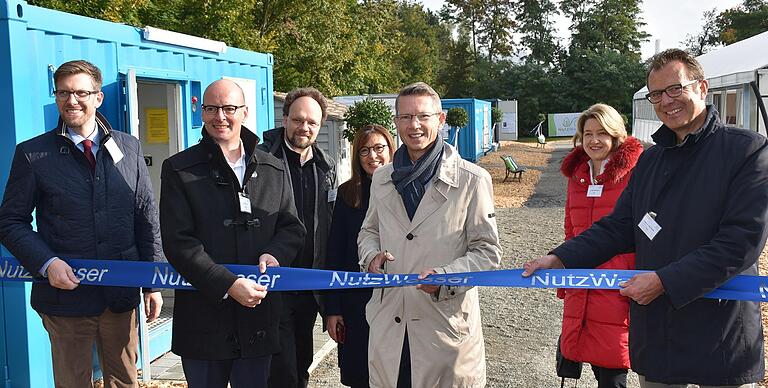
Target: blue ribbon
<point>163,275</point>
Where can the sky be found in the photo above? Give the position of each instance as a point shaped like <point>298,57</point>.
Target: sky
<point>667,20</point>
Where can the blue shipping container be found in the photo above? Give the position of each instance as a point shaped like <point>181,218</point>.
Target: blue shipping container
<point>475,139</point>
<point>153,84</point>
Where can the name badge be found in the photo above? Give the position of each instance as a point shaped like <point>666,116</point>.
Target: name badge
<point>113,150</point>
<point>245,203</point>
<point>332,195</point>
<point>595,191</point>
<point>649,226</point>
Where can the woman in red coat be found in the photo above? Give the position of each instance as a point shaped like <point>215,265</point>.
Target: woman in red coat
<point>596,322</point>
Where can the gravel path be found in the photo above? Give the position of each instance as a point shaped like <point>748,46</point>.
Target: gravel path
<point>520,326</point>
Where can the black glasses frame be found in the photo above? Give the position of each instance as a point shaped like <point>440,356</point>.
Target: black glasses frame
<point>80,95</point>
<point>422,117</point>
<point>228,110</point>
<point>672,91</point>
<point>378,149</point>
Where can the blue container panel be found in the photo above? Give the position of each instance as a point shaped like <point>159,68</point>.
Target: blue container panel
<point>143,57</point>
<point>466,141</point>
<point>482,118</point>
<point>33,42</point>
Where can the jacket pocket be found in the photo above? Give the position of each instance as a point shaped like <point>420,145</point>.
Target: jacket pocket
<point>130,254</point>
<point>455,317</point>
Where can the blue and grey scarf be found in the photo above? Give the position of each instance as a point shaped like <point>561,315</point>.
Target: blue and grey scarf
<point>410,179</point>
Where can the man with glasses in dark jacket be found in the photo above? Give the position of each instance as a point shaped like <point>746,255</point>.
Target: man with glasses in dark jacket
<point>312,175</point>
<point>223,201</point>
<point>90,190</point>
<point>695,214</point>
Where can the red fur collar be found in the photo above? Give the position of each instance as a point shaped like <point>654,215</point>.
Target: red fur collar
<point>620,163</point>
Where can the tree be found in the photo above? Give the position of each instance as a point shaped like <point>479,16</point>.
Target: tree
<point>708,38</point>
<point>730,26</point>
<point>606,25</point>
<point>467,14</point>
<point>496,115</point>
<point>496,28</point>
<point>366,112</point>
<point>457,77</point>
<point>424,43</point>
<point>488,24</point>
<point>457,117</point>
<point>744,21</point>
<point>605,76</point>
<point>534,22</point>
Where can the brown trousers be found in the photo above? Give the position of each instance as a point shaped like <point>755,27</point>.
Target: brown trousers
<point>72,338</point>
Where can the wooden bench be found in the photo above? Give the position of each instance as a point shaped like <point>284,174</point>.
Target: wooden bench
<point>512,169</point>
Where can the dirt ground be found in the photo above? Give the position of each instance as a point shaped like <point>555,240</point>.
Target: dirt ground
<point>528,156</point>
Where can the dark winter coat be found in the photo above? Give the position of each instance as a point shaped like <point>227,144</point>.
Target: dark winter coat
<point>350,304</point>
<point>710,197</point>
<point>596,322</point>
<point>273,141</point>
<point>203,228</point>
<point>108,215</point>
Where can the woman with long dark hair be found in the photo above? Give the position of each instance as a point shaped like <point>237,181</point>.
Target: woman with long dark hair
<point>372,148</point>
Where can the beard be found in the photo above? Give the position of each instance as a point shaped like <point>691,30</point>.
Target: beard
<point>300,142</point>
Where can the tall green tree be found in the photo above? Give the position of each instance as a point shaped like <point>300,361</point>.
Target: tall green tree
<point>606,25</point>
<point>468,14</point>
<point>742,22</point>
<point>457,76</point>
<point>707,38</point>
<point>534,23</point>
<point>496,28</point>
<point>424,43</point>
<point>600,76</point>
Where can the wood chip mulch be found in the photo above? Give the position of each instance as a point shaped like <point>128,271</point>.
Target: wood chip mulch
<point>528,156</point>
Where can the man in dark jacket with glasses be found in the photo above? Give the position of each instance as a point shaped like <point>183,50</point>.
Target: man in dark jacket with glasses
<point>695,214</point>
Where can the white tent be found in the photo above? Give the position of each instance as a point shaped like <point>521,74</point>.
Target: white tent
<point>731,71</point>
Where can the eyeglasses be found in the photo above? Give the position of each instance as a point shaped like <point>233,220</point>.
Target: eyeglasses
<point>378,149</point>
<point>422,117</point>
<point>672,91</point>
<point>228,110</point>
<point>80,95</point>
<point>310,123</point>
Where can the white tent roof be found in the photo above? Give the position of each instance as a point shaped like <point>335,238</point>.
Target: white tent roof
<point>734,64</point>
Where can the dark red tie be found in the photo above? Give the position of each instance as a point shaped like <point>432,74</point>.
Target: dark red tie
<point>87,144</point>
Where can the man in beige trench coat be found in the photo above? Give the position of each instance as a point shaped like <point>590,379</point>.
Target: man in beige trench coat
<point>430,212</point>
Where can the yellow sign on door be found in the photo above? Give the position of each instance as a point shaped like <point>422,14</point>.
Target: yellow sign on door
<point>157,125</point>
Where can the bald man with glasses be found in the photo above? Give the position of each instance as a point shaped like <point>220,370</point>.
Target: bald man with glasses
<point>224,201</point>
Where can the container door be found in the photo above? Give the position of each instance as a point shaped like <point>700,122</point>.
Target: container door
<point>132,107</point>
<point>154,116</point>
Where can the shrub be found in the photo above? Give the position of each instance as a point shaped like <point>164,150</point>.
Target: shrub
<point>364,112</point>
<point>457,117</point>
<point>496,115</point>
